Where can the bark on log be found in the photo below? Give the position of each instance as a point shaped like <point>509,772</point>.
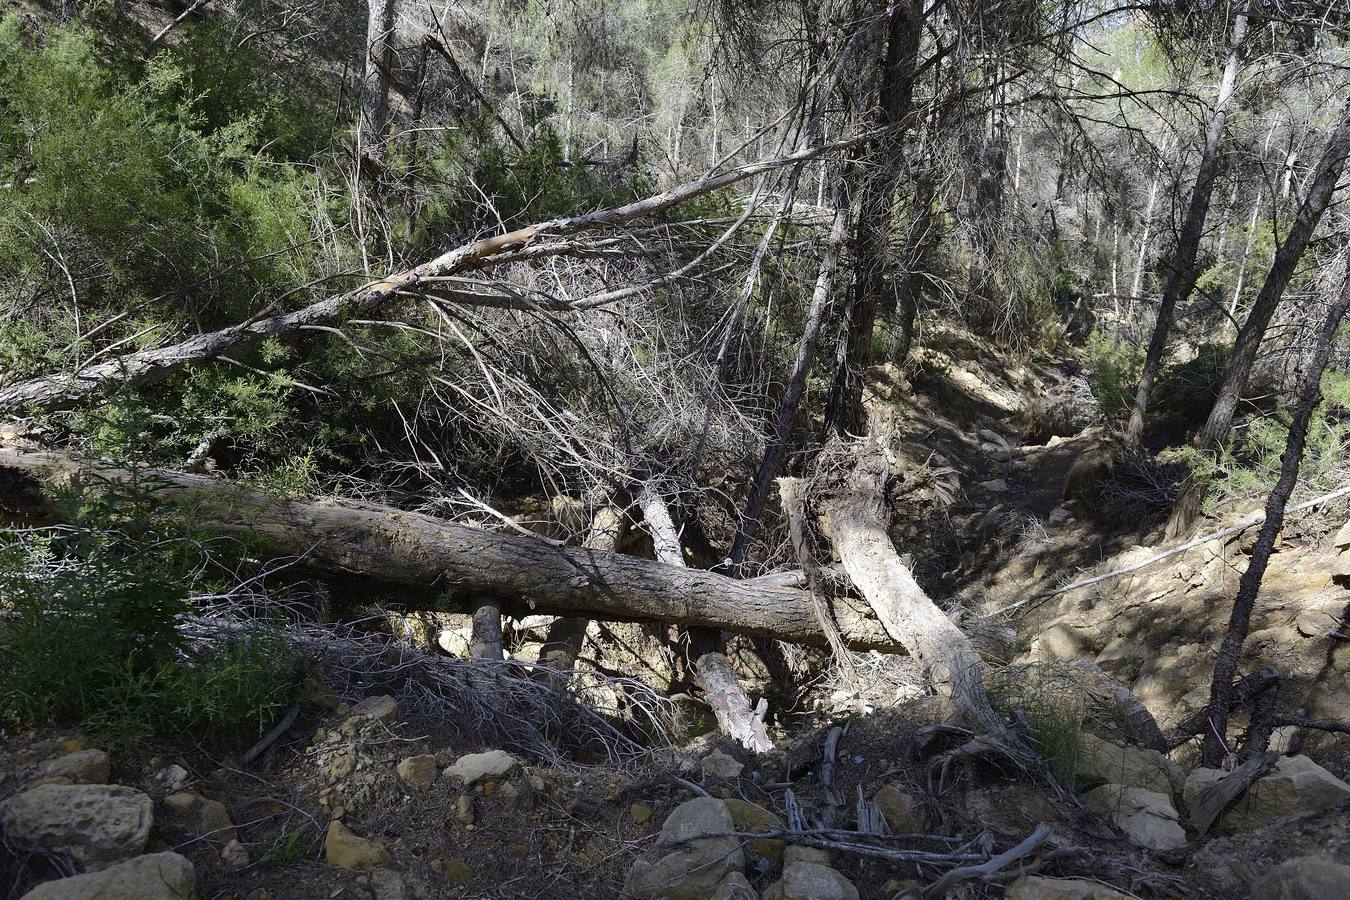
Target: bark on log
<point>417,550</point>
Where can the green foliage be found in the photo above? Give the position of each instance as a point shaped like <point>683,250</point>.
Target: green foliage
<point>1047,700</point>
<point>93,635</point>
<point>1114,366</point>
<point>1250,464</point>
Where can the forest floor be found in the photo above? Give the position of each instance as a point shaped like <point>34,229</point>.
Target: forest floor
<point>990,554</point>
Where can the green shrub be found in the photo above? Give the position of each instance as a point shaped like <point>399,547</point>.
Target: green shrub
<point>1114,366</point>
<point>92,634</point>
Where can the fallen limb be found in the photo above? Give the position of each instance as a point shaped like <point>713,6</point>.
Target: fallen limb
<point>146,367</point>
<point>405,548</point>
<point>986,870</point>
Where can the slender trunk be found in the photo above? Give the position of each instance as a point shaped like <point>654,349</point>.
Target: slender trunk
<point>375,105</point>
<point>485,641</point>
<point>1181,273</point>
<point>796,386</point>
<point>920,239</point>
<point>880,171</point>
<point>1251,234</point>
<point>1214,434</point>
<point>1138,282</point>
<point>1230,651</point>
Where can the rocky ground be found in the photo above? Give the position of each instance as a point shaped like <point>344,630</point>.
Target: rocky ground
<point>364,795</point>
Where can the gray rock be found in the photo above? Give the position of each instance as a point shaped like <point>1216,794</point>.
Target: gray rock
<point>996,486</point>
<point>1034,887</point>
<point>386,884</point>
<point>1147,817</point>
<point>97,824</point>
<point>382,709</point>
<point>809,881</point>
<point>156,876</point>
<point>1304,878</point>
<point>1102,762</point>
<point>720,765</point>
<point>1296,786</point>
<point>691,856</point>
<point>418,771</point>
<point>735,886</point>
<point>81,767</point>
<point>472,768</point>
<point>902,813</point>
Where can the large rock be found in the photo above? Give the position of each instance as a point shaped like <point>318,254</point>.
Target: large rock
<point>809,881</point>
<point>902,813</point>
<point>1147,817</point>
<point>1341,565</point>
<point>1296,786</point>
<point>157,876</point>
<point>1102,762</point>
<point>81,767</point>
<point>691,856</point>
<point>1304,878</point>
<point>1034,887</point>
<point>735,887</point>
<point>472,768</point>
<point>418,771</point>
<point>97,824</point>
<point>382,709</point>
<point>345,850</point>
<point>747,816</point>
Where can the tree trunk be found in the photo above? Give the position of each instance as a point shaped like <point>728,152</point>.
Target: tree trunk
<point>920,239</point>
<point>1181,274</point>
<point>796,386</point>
<point>375,105</point>
<point>567,634</point>
<point>1214,434</point>
<point>722,690</point>
<point>421,552</point>
<point>880,170</point>
<point>485,640</point>
<point>148,367</point>
<point>857,524</point>
<point>1225,666</point>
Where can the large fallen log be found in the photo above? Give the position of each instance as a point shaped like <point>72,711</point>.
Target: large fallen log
<point>411,549</point>
<point>147,367</point>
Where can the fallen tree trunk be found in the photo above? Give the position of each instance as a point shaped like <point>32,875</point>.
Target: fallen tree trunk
<point>412,549</point>
<point>147,367</point>
<point>856,521</point>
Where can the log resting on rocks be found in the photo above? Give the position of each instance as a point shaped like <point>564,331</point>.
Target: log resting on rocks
<point>411,549</point>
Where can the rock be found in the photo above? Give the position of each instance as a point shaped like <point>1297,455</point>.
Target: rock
<point>386,884</point>
<point>474,767</point>
<point>454,641</point>
<point>156,876</point>
<point>735,887</point>
<point>1304,878</point>
<point>1103,762</point>
<point>382,709</point>
<point>234,855</point>
<point>1341,541</point>
<point>82,767</point>
<point>1147,817</point>
<point>418,771</point>
<point>720,765</point>
<point>464,810</point>
<point>173,778</point>
<point>902,814</point>
<point>1058,516</point>
<point>97,824</point>
<point>1296,786</point>
<point>691,856</point>
<point>1034,887</point>
<point>345,850</point>
<point>809,881</point>
<point>213,820</point>
<point>746,816</point>
<point>1061,642</point>
<point>996,485</point>
<point>803,853</point>
<point>640,813</point>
